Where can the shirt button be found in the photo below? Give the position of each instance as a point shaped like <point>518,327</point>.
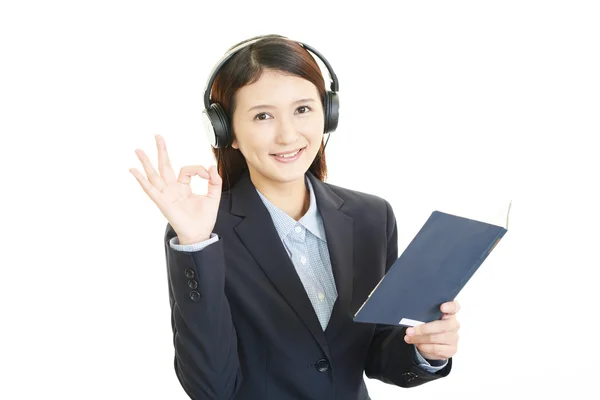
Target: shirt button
<point>303,260</point>
<point>298,229</point>
<point>321,296</point>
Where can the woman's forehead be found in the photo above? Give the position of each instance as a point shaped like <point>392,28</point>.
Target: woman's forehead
<point>276,87</point>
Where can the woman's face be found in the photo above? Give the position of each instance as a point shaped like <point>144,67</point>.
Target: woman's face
<point>278,123</point>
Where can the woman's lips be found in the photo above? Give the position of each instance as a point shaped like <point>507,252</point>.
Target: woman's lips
<point>288,157</point>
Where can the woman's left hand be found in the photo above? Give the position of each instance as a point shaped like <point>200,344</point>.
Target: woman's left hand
<point>437,340</point>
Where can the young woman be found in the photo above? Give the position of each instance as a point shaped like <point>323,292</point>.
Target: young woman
<point>267,269</point>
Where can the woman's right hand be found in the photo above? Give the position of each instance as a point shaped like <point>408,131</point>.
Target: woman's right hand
<point>192,216</point>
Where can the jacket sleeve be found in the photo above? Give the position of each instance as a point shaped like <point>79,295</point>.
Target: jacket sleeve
<point>391,359</point>
<point>204,336</point>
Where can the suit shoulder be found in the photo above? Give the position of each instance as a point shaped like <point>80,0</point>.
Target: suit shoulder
<point>371,212</point>
<point>354,197</point>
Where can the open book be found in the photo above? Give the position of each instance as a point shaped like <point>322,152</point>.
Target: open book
<point>432,270</point>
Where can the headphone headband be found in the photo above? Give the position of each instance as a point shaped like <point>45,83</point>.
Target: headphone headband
<point>334,86</point>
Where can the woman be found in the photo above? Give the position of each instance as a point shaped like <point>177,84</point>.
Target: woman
<point>268,268</point>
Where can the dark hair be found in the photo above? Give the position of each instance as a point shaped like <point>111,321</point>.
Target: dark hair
<point>272,52</point>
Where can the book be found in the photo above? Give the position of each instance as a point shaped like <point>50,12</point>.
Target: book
<point>433,269</point>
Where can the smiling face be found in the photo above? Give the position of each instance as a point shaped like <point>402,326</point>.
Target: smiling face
<point>278,123</point>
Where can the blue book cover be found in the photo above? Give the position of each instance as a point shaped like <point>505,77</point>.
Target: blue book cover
<point>432,270</point>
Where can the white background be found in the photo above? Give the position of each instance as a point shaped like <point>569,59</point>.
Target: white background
<point>452,105</point>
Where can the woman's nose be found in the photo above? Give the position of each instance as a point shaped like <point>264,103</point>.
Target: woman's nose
<point>286,132</point>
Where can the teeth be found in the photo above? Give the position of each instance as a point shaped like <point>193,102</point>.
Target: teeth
<point>288,155</point>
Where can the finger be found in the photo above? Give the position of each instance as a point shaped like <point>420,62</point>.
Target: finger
<point>440,351</point>
<point>433,327</point>
<point>451,307</point>
<point>215,183</point>
<point>186,173</point>
<point>439,338</point>
<point>164,164</point>
<point>151,173</point>
<point>150,189</point>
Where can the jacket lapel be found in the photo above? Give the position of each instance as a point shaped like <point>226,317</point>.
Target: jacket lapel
<point>260,237</point>
<point>257,229</point>
<point>339,229</point>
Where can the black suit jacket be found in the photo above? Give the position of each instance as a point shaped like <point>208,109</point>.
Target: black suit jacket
<point>243,326</point>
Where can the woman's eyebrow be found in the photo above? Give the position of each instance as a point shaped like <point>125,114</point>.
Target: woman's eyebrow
<point>306,100</point>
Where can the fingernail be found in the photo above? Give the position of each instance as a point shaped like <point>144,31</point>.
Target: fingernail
<point>410,331</point>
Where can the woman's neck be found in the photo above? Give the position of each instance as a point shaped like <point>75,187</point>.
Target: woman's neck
<point>292,198</point>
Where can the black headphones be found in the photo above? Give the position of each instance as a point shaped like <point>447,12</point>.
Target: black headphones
<point>217,124</point>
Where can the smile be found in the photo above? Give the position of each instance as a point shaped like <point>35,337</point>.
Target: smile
<point>288,157</point>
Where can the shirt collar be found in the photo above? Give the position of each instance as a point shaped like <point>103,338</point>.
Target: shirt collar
<point>311,220</point>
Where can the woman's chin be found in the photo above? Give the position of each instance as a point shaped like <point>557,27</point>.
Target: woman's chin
<point>288,175</point>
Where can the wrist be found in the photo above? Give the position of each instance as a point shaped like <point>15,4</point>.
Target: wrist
<point>192,240</point>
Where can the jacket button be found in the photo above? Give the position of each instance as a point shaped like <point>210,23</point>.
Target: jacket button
<point>195,296</point>
<point>189,273</point>
<point>322,365</point>
<point>192,284</point>
<point>409,376</point>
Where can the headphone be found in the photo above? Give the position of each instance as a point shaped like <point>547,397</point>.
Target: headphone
<point>216,121</point>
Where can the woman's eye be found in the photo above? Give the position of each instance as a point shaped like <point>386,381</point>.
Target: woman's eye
<point>264,116</point>
<point>261,116</point>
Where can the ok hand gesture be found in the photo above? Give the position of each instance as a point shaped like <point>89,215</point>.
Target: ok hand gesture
<point>192,216</point>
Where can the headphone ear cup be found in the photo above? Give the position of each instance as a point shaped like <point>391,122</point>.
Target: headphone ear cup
<point>217,126</point>
<point>332,109</point>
